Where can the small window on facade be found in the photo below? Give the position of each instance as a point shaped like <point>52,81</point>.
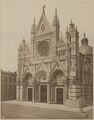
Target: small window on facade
<point>42,27</point>
<point>10,79</point>
<point>5,80</point>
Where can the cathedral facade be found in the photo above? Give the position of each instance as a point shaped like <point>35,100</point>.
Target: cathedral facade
<point>54,69</point>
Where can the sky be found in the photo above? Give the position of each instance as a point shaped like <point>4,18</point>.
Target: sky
<point>16,18</point>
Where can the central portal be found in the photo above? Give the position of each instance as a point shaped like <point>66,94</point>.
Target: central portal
<point>43,93</point>
<point>59,95</point>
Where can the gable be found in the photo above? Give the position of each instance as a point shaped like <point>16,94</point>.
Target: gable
<point>42,67</point>
<point>28,68</point>
<point>44,26</point>
<point>59,65</point>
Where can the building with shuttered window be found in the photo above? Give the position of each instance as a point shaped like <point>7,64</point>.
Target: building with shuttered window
<point>8,85</point>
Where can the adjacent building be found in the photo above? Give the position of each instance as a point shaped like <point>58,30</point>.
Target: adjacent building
<point>55,69</point>
<point>8,85</point>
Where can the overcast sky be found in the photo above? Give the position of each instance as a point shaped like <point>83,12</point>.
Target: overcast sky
<point>17,17</point>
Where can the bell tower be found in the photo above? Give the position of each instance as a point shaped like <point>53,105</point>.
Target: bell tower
<point>72,37</point>
<point>72,49</point>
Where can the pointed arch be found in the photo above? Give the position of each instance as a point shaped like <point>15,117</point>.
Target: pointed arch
<point>57,76</point>
<point>40,76</point>
<point>28,78</point>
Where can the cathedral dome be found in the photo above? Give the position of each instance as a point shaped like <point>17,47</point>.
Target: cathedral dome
<point>84,41</point>
<point>85,48</point>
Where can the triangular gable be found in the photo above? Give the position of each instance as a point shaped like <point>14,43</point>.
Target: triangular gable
<point>42,67</point>
<point>28,68</point>
<point>59,65</point>
<point>44,26</point>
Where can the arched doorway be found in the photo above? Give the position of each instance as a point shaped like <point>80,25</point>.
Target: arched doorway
<point>40,86</point>
<point>41,76</point>
<point>28,79</point>
<point>58,76</point>
<point>57,80</point>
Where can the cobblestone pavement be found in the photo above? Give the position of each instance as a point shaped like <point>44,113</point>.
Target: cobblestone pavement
<point>13,111</point>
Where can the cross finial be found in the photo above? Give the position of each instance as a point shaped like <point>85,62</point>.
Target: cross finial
<point>43,9</point>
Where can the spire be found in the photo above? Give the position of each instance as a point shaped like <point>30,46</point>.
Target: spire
<point>43,9</point>
<point>23,41</point>
<point>71,21</point>
<point>55,18</point>
<point>71,26</point>
<point>56,24</point>
<point>84,34</point>
<point>33,30</point>
<point>55,11</point>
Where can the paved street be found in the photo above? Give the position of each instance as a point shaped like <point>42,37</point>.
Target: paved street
<point>13,111</point>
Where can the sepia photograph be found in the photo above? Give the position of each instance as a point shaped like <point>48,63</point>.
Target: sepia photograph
<point>46,59</point>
